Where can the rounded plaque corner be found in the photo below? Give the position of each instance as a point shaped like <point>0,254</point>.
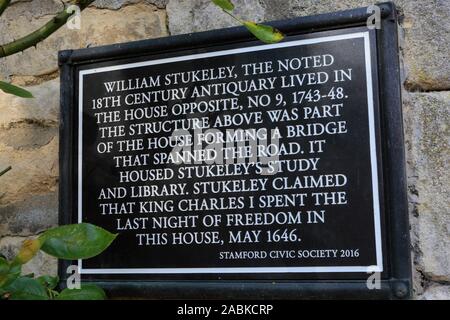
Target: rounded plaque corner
<point>402,289</point>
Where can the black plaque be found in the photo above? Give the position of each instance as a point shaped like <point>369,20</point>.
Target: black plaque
<point>234,164</point>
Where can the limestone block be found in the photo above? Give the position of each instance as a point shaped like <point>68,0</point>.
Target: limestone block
<point>30,216</point>
<point>437,292</point>
<point>427,136</point>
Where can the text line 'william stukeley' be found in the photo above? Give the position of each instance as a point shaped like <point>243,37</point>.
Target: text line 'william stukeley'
<point>171,79</point>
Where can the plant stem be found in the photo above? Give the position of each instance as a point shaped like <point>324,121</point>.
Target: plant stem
<point>233,16</point>
<point>3,5</point>
<point>5,170</point>
<point>42,33</point>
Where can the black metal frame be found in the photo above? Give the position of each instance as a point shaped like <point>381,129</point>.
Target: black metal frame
<point>397,286</point>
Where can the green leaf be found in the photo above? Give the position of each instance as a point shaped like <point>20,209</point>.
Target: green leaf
<point>4,266</point>
<point>76,241</point>
<point>267,34</point>
<point>17,91</point>
<point>86,292</point>
<point>24,288</point>
<point>48,281</point>
<point>224,4</point>
<point>9,273</point>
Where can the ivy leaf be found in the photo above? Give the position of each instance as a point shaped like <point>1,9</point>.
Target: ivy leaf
<point>224,4</point>
<point>15,90</point>
<point>86,292</point>
<point>265,33</point>
<point>48,281</point>
<point>24,288</point>
<point>76,241</point>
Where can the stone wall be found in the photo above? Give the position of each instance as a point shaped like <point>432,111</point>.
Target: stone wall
<point>29,128</point>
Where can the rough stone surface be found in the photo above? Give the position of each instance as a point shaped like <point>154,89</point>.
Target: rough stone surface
<point>34,171</point>
<point>202,15</point>
<point>44,108</point>
<point>425,24</point>
<point>427,134</point>
<point>34,8</point>
<point>117,4</point>
<point>98,27</point>
<point>41,264</point>
<point>27,135</point>
<point>31,216</point>
<point>427,43</point>
<point>436,292</point>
